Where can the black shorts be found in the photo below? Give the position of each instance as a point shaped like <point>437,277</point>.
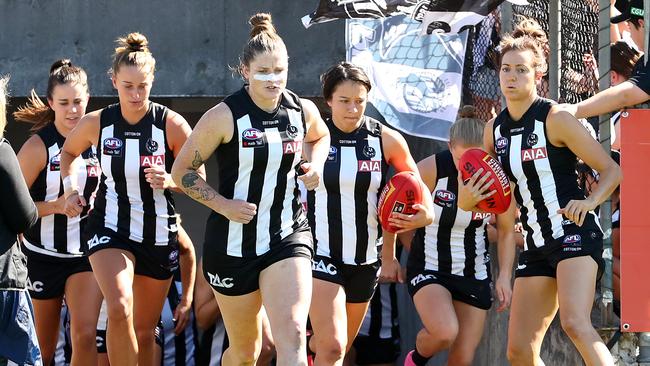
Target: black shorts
<point>372,350</point>
<point>576,242</point>
<point>471,291</point>
<point>235,276</point>
<point>155,261</point>
<point>358,281</point>
<point>48,275</point>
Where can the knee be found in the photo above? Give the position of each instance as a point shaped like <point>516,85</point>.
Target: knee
<point>520,353</point>
<point>145,336</point>
<point>330,349</point>
<point>244,355</point>
<point>267,352</point>
<point>291,337</point>
<point>84,338</point>
<point>119,309</point>
<point>461,357</point>
<point>443,337</point>
<point>576,327</point>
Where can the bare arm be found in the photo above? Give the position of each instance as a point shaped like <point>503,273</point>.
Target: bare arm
<point>506,254</point>
<point>32,158</point>
<point>188,276</point>
<point>622,95</point>
<point>316,145</point>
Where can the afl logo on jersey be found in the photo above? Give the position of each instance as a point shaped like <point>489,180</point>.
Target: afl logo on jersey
<point>151,145</point>
<point>112,146</point>
<point>369,151</point>
<point>333,154</point>
<point>501,145</point>
<point>444,198</point>
<point>532,139</point>
<point>252,137</point>
<point>55,162</point>
<point>292,131</point>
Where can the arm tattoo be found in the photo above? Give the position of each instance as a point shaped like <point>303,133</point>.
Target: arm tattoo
<point>198,160</point>
<point>189,186</point>
<point>189,179</point>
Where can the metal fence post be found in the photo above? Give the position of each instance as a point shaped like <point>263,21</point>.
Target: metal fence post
<point>555,43</point>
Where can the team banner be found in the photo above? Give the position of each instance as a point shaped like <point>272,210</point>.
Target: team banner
<point>448,16</point>
<point>416,80</point>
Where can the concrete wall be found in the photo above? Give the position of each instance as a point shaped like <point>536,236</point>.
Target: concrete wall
<point>193,41</point>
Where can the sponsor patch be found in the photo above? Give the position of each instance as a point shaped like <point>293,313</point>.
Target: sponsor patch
<point>112,147</point>
<point>333,154</point>
<point>369,152</point>
<point>532,139</point>
<point>252,137</point>
<point>149,160</point>
<point>480,215</point>
<point>93,171</point>
<point>501,146</point>
<point>533,154</point>
<point>444,198</point>
<point>220,282</point>
<point>572,243</point>
<point>151,146</point>
<point>421,277</point>
<point>55,162</point>
<point>368,165</point>
<point>321,267</point>
<point>291,147</point>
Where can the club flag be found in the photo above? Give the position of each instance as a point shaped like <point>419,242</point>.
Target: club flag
<point>416,80</point>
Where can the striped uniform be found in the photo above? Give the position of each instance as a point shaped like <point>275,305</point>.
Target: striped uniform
<point>258,165</point>
<point>342,211</point>
<point>214,342</point>
<point>57,235</point>
<point>126,203</point>
<point>63,351</point>
<point>544,174</point>
<point>455,243</point>
<point>178,349</point>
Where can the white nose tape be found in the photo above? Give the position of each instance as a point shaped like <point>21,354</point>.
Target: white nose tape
<point>270,77</point>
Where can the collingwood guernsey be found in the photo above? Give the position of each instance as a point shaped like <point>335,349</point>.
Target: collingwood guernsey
<point>125,202</point>
<point>258,165</point>
<point>342,211</point>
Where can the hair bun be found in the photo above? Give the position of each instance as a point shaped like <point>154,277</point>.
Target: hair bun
<point>531,28</point>
<point>59,64</point>
<point>261,23</point>
<point>467,111</point>
<point>136,42</point>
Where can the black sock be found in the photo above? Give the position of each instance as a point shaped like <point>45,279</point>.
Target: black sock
<point>418,358</point>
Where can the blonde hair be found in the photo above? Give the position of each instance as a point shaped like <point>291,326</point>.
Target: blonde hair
<point>263,39</point>
<point>40,114</point>
<point>467,130</point>
<point>132,50</point>
<point>4,80</point>
<point>528,35</point>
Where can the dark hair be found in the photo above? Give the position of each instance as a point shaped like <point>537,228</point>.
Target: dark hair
<point>528,35</point>
<point>341,72</point>
<point>636,22</point>
<point>263,39</point>
<point>40,114</point>
<point>624,58</point>
<point>132,50</point>
<point>467,130</point>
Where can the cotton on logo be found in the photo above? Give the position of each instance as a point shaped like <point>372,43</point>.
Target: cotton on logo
<point>149,160</point>
<point>422,277</point>
<point>369,166</point>
<point>219,282</point>
<point>36,286</point>
<point>97,240</point>
<point>291,147</point>
<point>533,154</point>
<point>321,267</point>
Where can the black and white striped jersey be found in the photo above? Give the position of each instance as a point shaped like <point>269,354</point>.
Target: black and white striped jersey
<point>544,174</point>
<point>178,349</point>
<point>57,235</point>
<point>125,201</point>
<point>456,241</point>
<point>381,320</point>
<point>63,350</point>
<point>258,165</point>
<point>342,211</point>
<point>214,342</point>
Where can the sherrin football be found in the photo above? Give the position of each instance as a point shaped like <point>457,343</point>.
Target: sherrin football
<point>400,193</point>
<point>474,159</point>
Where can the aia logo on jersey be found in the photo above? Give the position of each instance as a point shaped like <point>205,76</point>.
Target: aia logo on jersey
<point>55,162</point>
<point>333,154</point>
<point>292,131</point>
<point>149,160</point>
<point>444,198</point>
<point>93,171</point>
<point>501,145</point>
<point>480,216</point>
<point>368,165</point>
<point>533,154</point>
<point>369,152</point>
<point>151,146</point>
<point>252,137</point>
<point>292,147</point>
<point>532,139</point>
<point>112,146</point>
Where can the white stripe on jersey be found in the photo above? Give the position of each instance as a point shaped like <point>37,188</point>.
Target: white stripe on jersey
<point>110,215</point>
<point>322,231</point>
<point>160,201</point>
<point>348,156</point>
<point>373,198</point>
<point>53,179</point>
<point>274,144</point>
<point>235,229</point>
<point>132,178</point>
<point>295,119</point>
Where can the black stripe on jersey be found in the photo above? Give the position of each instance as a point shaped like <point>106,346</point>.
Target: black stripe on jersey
<point>469,242</point>
<point>375,314</point>
<point>169,162</point>
<point>335,230</point>
<point>445,226</point>
<point>280,190</point>
<point>119,178</point>
<point>362,184</point>
<point>249,231</point>
<point>311,216</point>
<point>146,193</point>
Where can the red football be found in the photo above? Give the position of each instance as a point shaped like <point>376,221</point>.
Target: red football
<point>474,159</point>
<point>400,193</point>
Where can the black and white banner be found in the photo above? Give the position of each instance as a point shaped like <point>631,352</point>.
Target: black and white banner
<point>448,16</point>
<point>417,80</point>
